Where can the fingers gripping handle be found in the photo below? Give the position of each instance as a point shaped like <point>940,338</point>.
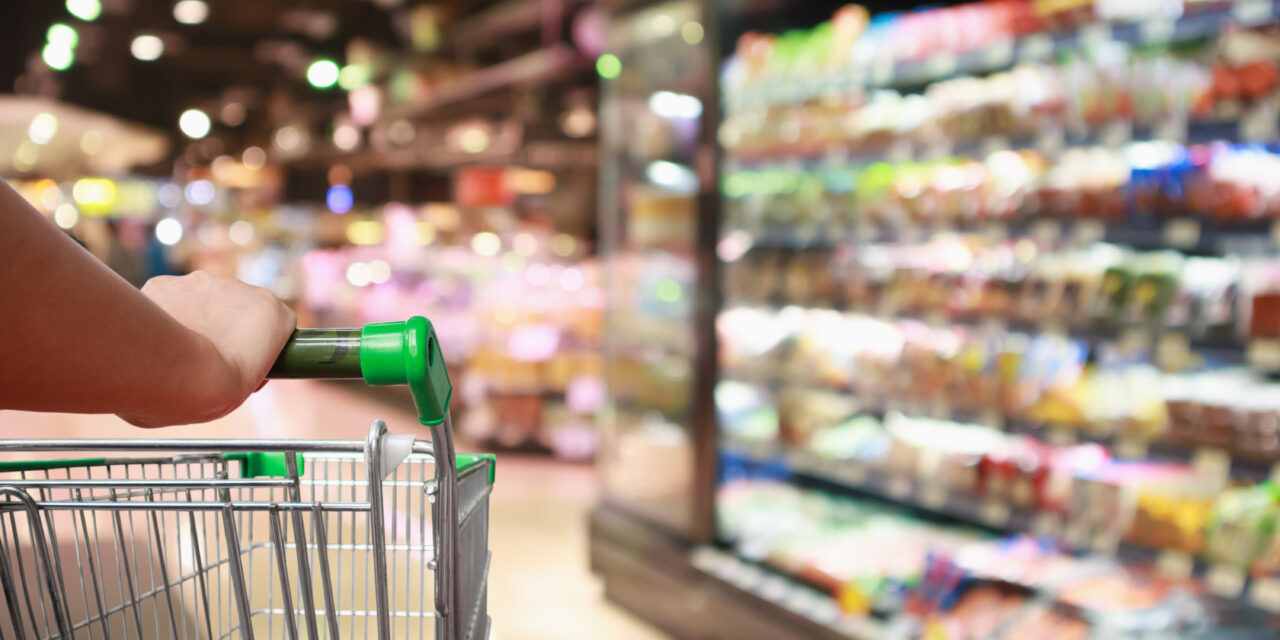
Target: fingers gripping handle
<point>385,353</point>
<point>319,353</point>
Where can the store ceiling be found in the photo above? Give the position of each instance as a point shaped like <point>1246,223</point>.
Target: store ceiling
<point>118,145</point>
<point>251,52</point>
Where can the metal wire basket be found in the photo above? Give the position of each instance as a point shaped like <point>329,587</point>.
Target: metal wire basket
<point>382,538</point>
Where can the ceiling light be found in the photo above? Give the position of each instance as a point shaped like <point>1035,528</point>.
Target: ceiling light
<point>223,168</point>
<point>339,198</point>
<point>190,11</point>
<point>57,57</point>
<point>358,274</point>
<point>42,128</point>
<point>692,32</point>
<point>365,232</point>
<point>571,279</point>
<point>608,66</point>
<point>232,114</point>
<point>379,271</point>
<point>169,195</point>
<point>254,158</point>
<point>663,25</point>
<point>241,232</point>
<point>26,156</point>
<point>668,104</point>
<point>288,138</point>
<point>322,74</point>
<point>525,244</point>
<point>486,243</point>
<point>87,10</point>
<point>401,132</point>
<point>66,216</point>
<point>194,123</point>
<point>62,35</point>
<point>200,192</point>
<point>474,140</point>
<point>91,143</point>
<point>147,48</point>
<point>346,137</point>
<point>353,76</point>
<point>563,245</point>
<point>169,231</point>
<point>673,176</point>
<point>578,122</point>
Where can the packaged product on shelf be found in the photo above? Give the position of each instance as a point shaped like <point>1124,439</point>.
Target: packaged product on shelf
<point>1263,286</point>
<point>860,439</point>
<point>1126,600</point>
<point>1242,525</point>
<point>802,412</point>
<point>1149,504</point>
<point>1171,517</point>
<point>1257,422</point>
<point>1050,369</point>
<point>1047,622</point>
<point>1029,562</point>
<point>1033,475</point>
<point>745,412</point>
<point>1207,298</point>
<point>862,553</point>
<point>979,612</point>
<point>942,450</point>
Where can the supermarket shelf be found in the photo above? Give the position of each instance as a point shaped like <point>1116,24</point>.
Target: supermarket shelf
<point>1003,55</point>
<point>1191,234</point>
<point>1231,588</point>
<point>1250,466</point>
<point>1052,139</point>
<point>705,592</point>
<point>782,591</point>
<point>1216,350</point>
<point>899,488</point>
<point>538,66</point>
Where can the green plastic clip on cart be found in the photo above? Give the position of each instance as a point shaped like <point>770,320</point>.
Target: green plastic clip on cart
<point>381,538</point>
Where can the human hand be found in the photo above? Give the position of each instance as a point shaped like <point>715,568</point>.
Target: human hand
<point>237,331</point>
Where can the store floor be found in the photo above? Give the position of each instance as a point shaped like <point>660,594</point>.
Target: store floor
<point>540,587</point>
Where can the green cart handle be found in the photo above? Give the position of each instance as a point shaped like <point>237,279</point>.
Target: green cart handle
<point>385,353</point>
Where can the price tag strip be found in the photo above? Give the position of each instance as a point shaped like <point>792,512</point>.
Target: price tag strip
<point>1131,448</point>
<point>1251,12</point>
<point>995,513</point>
<point>999,54</point>
<point>1182,233</point>
<point>1176,565</point>
<point>1047,524</point>
<point>1087,232</point>
<point>933,495</point>
<point>1212,465</point>
<point>1264,354</point>
<point>1265,593</point>
<point>899,487</point>
<point>1225,581</point>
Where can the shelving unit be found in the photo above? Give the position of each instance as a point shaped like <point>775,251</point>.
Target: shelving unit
<point>789,237</point>
<point>883,72</point>
<point>846,502</point>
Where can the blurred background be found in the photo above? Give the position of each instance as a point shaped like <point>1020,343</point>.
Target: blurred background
<point>788,319</point>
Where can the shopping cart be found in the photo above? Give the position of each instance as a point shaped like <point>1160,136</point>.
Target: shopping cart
<point>257,538</point>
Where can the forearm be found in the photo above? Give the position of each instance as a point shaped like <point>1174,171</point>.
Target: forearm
<point>82,339</point>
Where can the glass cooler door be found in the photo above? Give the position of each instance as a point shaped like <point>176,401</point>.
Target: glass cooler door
<point>654,82</point>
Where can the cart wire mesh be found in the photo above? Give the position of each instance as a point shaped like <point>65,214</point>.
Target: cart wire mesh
<point>303,539</point>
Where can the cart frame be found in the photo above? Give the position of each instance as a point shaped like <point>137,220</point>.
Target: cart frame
<point>281,492</point>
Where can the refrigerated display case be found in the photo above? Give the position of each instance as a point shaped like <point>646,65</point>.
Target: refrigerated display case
<point>655,178</point>
<point>995,327</point>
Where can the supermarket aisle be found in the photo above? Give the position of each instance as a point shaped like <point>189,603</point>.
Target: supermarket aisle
<point>540,587</point>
